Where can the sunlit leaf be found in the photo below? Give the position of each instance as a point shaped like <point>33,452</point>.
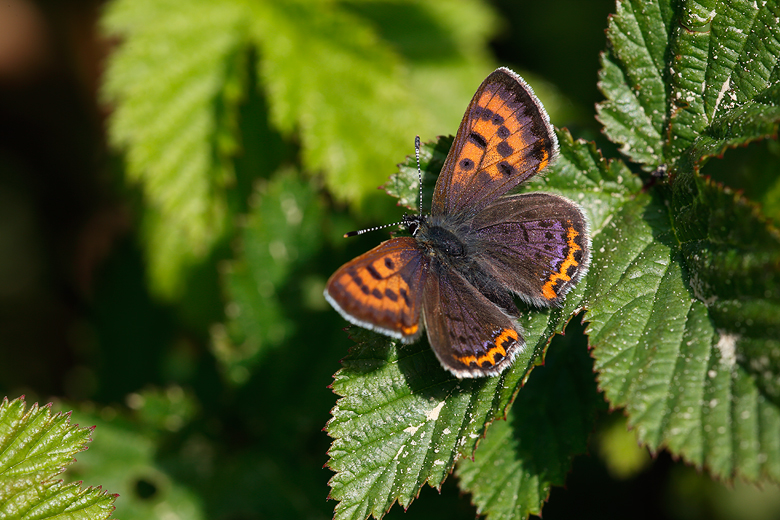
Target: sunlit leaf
<point>686,337</point>
<point>35,447</point>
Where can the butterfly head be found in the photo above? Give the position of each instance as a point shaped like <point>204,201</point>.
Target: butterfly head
<point>413,223</point>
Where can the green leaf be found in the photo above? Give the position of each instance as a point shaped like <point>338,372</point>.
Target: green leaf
<point>174,85</point>
<point>36,446</point>
<point>283,230</point>
<point>128,457</point>
<point>663,354</point>
<point>522,457</point>
<point>719,63</point>
<point>402,421</point>
<point>684,298</point>
<point>353,98</point>
<point>678,338</point>
<point>632,79</point>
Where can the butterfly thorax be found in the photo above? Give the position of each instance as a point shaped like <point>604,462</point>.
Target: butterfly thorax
<point>441,241</point>
<point>437,239</point>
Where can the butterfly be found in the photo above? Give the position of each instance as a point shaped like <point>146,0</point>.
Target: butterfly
<point>456,276</point>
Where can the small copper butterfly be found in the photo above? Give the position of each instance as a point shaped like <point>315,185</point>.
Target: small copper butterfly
<point>456,275</point>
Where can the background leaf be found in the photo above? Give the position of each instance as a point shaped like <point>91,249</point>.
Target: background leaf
<point>279,237</point>
<point>36,446</point>
<point>175,85</point>
<point>692,312</point>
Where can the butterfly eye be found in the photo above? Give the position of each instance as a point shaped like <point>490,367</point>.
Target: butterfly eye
<point>414,227</point>
<point>412,223</point>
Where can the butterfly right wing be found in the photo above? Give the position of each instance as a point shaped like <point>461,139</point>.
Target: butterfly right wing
<point>505,137</point>
<point>535,244</point>
<point>382,289</point>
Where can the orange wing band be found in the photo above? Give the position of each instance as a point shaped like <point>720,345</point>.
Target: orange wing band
<point>496,353</point>
<point>548,291</point>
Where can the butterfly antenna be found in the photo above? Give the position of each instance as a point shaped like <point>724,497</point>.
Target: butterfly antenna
<point>419,180</point>
<point>419,170</point>
<point>361,231</point>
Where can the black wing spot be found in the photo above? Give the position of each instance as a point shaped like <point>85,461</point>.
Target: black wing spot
<point>486,114</point>
<point>378,295</point>
<point>467,164</point>
<point>505,168</point>
<point>373,272</point>
<point>391,295</point>
<point>356,278</point>
<point>478,140</point>
<point>389,264</point>
<point>503,132</point>
<point>504,149</point>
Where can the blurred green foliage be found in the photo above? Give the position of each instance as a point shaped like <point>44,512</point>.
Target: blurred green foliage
<point>163,277</point>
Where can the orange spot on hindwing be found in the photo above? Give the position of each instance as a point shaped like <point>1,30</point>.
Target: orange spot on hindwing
<point>502,342</point>
<point>548,290</point>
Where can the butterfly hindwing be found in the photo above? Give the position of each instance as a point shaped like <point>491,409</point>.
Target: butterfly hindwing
<point>382,289</point>
<point>469,334</point>
<point>505,137</point>
<point>536,244</point>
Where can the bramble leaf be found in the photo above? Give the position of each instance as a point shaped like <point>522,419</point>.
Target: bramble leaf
<point>684,304</point>
<point>35,447</point>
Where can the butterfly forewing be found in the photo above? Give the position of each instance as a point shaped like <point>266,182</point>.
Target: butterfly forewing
<point>536,243</point>
<point>382,289</point>
<point>505,137</point>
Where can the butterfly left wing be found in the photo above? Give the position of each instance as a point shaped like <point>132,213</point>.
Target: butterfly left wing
<point>535,244</point>
<point>381,290</point>
<point>469,334</point>
<point>505,137</point>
